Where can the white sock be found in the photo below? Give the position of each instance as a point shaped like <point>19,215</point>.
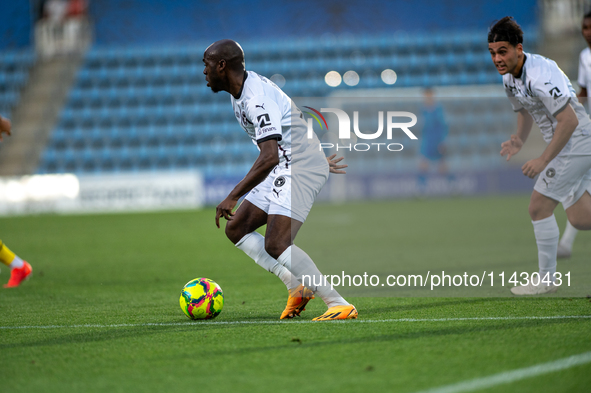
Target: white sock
<point>547,234</point>
<point>253,245</point>
<point>16,263</point>
<point>569,235</point>
<point>300,264</point>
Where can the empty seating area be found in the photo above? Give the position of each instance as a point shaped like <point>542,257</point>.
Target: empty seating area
<point>142,109</point>
<point>418,59</point>
<point>14,73</point>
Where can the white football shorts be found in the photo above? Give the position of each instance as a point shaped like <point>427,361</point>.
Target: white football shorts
<point>289,192</point>
<point>567,177</point>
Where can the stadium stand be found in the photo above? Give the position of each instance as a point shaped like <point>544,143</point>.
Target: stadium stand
<point>14,73</point>
<point>145,109</point>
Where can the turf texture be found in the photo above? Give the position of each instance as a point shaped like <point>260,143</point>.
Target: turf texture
<point>101,312</point>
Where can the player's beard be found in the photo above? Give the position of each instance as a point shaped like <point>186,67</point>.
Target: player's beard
<point>215,83</point>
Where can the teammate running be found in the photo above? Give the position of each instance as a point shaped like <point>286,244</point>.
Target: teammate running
<point>281,185</point>
<point>539,91</point>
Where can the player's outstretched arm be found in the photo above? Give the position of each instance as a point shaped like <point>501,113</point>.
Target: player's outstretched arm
<point>513,146</point>
<point>567,122</point>
<point>5,127</point>
<point>264,164</point>
<point>333,164</point>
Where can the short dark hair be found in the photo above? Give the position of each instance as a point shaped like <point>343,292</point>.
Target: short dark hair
<point>506,29</point>
<point>587,15</point>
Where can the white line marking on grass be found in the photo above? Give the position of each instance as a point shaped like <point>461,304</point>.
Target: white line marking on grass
<point>276,322</point>
<point>513,376</point>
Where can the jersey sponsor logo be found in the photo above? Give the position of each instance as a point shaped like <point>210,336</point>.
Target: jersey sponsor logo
<point>265,130</point>
<point>279,182</point>
<point>551,172</point>
<point>264,120</point>
<point>277,192</point>
<point>260,106</point>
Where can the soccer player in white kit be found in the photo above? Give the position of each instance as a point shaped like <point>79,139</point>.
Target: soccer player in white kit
<point>281,185</point>
<point>584,79</point>
<point>539,91</point>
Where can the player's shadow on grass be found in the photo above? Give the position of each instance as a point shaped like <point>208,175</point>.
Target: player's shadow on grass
<point>397,337</point>
<point>368,312</point>
<point>105,334</point>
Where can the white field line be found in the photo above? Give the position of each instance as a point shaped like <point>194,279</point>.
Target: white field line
<point>277,322</point>
<point>514,375</point>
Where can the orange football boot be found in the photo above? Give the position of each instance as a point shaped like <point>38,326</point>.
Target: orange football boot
<point>298,298</point>
<point>338,312</point>
<point>17,275</point>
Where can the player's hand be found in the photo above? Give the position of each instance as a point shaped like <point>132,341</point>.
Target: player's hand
<point>225,209</point>
<point>5,127</point>
<point>332,164</point>
<point>534,167</point>
<point>511,147</point>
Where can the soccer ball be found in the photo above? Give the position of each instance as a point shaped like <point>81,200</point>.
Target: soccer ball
<point>201,298</point>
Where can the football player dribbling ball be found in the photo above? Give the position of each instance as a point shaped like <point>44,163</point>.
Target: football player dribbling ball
<point>281,185</point>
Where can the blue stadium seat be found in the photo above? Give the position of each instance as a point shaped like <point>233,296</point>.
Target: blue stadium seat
<point>129,99</point>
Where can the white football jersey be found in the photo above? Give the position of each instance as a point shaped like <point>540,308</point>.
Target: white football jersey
<point>265,112</point>
<point>584,78</point>
<point>544,91</point>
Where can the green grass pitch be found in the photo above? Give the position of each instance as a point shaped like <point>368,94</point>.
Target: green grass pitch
<point>101,312</point>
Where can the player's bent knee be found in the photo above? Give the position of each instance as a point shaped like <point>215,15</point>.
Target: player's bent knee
<point>234,232</point>
<point>539,212</point>
<point>534,212</point>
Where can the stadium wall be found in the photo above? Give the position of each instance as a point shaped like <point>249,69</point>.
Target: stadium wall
<point>129,22</point>
<point>132,22</point>
<point>15,24</point>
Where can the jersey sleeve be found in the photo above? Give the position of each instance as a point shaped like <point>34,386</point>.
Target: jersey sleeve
<point>264,113</point>
<point>512,99</point>
<point>552,87</point>
<point>582,80</point>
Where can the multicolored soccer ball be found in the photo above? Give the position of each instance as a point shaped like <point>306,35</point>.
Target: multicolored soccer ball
<point>202,298</point>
